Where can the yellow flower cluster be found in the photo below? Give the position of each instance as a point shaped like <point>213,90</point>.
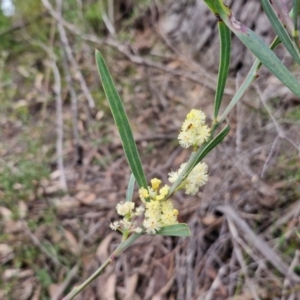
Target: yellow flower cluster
<point>159,212</point>
<point>154,192</point>
<point>126,209</point>
<point>194,132</point>
<point>197,178</point>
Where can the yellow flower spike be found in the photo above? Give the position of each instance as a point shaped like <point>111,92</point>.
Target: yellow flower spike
<point>197,115</point>
<point>168,218</point>
<point>190,115</point>
<point>193,130</point>
<point>160,197</point>
<point>166,206</point>
<point>163,192</point>
<point>143,193</point>
<point>155,183</point>
<point>175,212</point>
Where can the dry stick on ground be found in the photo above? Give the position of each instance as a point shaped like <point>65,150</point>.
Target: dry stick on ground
<point>215,285</point>
<point>65,284</point>
<point>69,53</point>
<point>240,258</point>
<point>125,50</point>
<point>107,20</point>
<point>270,155</point>
<point>59,125</point>
<point>73,94</point>
<point>59,117</point>
<point>239,118</point>
<point>22,24</point>
<point>258,243</point>
<point>260,262</point>
<point>48,70</point>
<point>74,108</point>
<point>287,283</point>
<point>80,9</point>
<point>280,131</point>
<point>40,246</point>
<point>182,56</point>
<point>292,212</point>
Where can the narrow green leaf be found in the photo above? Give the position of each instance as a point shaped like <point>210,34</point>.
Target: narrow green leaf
<point>296,7</point>
<point>130,188</point>
<point>251,76</point>
<point>280,31</point>
<point>210,4</point>
<point>121,121</point>
<point>283,14</point>
<point>225,45</point>
<point>258,48</point>
<point>212,144</point>
<point>175,230</point>
<point>296,10</point>
<point>196,157</point>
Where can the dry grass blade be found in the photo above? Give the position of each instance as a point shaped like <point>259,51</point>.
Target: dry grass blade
<point>39,245</point>
<point>240,258</point>
<point>287,284</point>
<point>71,58</point>
<point>139,60</point>
<point>65,284</point>
<point>215,285</point>
<point>59,125</point>
<point>257,242</point>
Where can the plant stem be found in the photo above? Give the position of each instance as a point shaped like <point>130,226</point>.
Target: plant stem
<point>123,246</point>
<point>252,75</point>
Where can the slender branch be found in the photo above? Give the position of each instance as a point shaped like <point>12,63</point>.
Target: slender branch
<point>59,125</point>
<point>40,246</point>
<point>73,95</point>
<point>279,129</point>
<point>122,247</point>
<point>81,287</point>
<point>126,51</point>
<point>111,16</point>
<point>22,25</point>
<point>257,242</point>
<point>69,53</point>
<point>107,19</point>
<point>239,256</point>
<point>66,282</point>
<point>252,75</point>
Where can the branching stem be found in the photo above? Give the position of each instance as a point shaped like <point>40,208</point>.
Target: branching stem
<point>123,246</point>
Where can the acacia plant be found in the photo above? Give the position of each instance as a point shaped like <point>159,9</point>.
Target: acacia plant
<point>155,213</point>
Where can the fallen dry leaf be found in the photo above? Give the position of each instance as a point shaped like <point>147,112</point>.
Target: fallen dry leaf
<point>110,287</point>
<point>88,199</point>
<point>24,290</point>
<point>53,289</point>
<point>8,274</point>
<point>208,219</point>
<point>23,209</point>
<point>13,226</point>
<point>66,204</point>
<point>2,294</point>
<point>102,251</point>
<point>37,293</point>
<point>6,213</point>
<point>131,283</point>
<point>6,253</point>
<point>72,241</point>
